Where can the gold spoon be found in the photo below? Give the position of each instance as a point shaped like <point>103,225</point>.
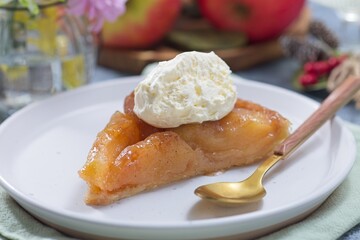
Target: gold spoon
<point>251,189</point>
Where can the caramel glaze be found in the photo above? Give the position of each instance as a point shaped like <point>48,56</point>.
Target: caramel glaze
<point>130,156</point>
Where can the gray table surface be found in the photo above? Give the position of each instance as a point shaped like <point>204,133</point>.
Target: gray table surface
<point>280,73</point>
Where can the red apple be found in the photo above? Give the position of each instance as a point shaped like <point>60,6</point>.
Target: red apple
<point>260,20</point>
<point>144,24</point>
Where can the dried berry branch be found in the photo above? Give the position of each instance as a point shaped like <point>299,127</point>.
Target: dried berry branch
<point>351,66</point>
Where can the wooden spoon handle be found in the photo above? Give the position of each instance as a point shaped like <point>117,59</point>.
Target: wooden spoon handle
<point>338,98</point>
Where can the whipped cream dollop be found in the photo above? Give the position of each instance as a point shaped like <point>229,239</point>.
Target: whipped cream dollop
<point>193,87</point>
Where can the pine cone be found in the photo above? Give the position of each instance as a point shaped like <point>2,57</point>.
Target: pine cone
<point>303,50</point>
<point>323,33</point>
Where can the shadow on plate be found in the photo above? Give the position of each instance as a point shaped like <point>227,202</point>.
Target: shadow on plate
<point>207,210</point>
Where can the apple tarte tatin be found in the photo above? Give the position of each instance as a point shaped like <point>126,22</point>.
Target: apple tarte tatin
<point>130,156</point>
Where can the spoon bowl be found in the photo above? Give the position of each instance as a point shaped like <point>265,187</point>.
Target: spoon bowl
<point>235,193</point>
<point>251,189</point>
<point>231,192</point>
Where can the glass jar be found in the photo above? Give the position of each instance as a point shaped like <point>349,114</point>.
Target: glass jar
<point>42,54</point>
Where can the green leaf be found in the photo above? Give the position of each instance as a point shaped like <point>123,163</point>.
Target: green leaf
<point>320,85</point>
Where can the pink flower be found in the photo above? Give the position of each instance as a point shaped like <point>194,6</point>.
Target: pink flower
<point>97,11</point>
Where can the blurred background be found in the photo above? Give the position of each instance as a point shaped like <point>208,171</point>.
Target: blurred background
<point>50,46</point>
<point>318,33</point>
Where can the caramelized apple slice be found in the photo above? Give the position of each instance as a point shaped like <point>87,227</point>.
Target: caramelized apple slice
<point>121,131</point>
<point>247,134</point>
<point>160,159</point>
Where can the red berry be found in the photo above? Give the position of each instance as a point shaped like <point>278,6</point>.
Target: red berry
<point>321,67</point>
<point>309,67</point>
<point>308,79</point>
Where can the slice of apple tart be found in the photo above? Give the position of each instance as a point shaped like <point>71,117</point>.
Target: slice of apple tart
<point>130,156</point>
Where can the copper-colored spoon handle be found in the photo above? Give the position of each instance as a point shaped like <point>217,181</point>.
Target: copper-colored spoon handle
<point>338,98</point>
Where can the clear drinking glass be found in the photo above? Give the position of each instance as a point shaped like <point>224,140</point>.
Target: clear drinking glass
<point>42,55</point>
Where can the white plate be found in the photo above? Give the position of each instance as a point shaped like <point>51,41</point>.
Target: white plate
<point>45,144</point>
